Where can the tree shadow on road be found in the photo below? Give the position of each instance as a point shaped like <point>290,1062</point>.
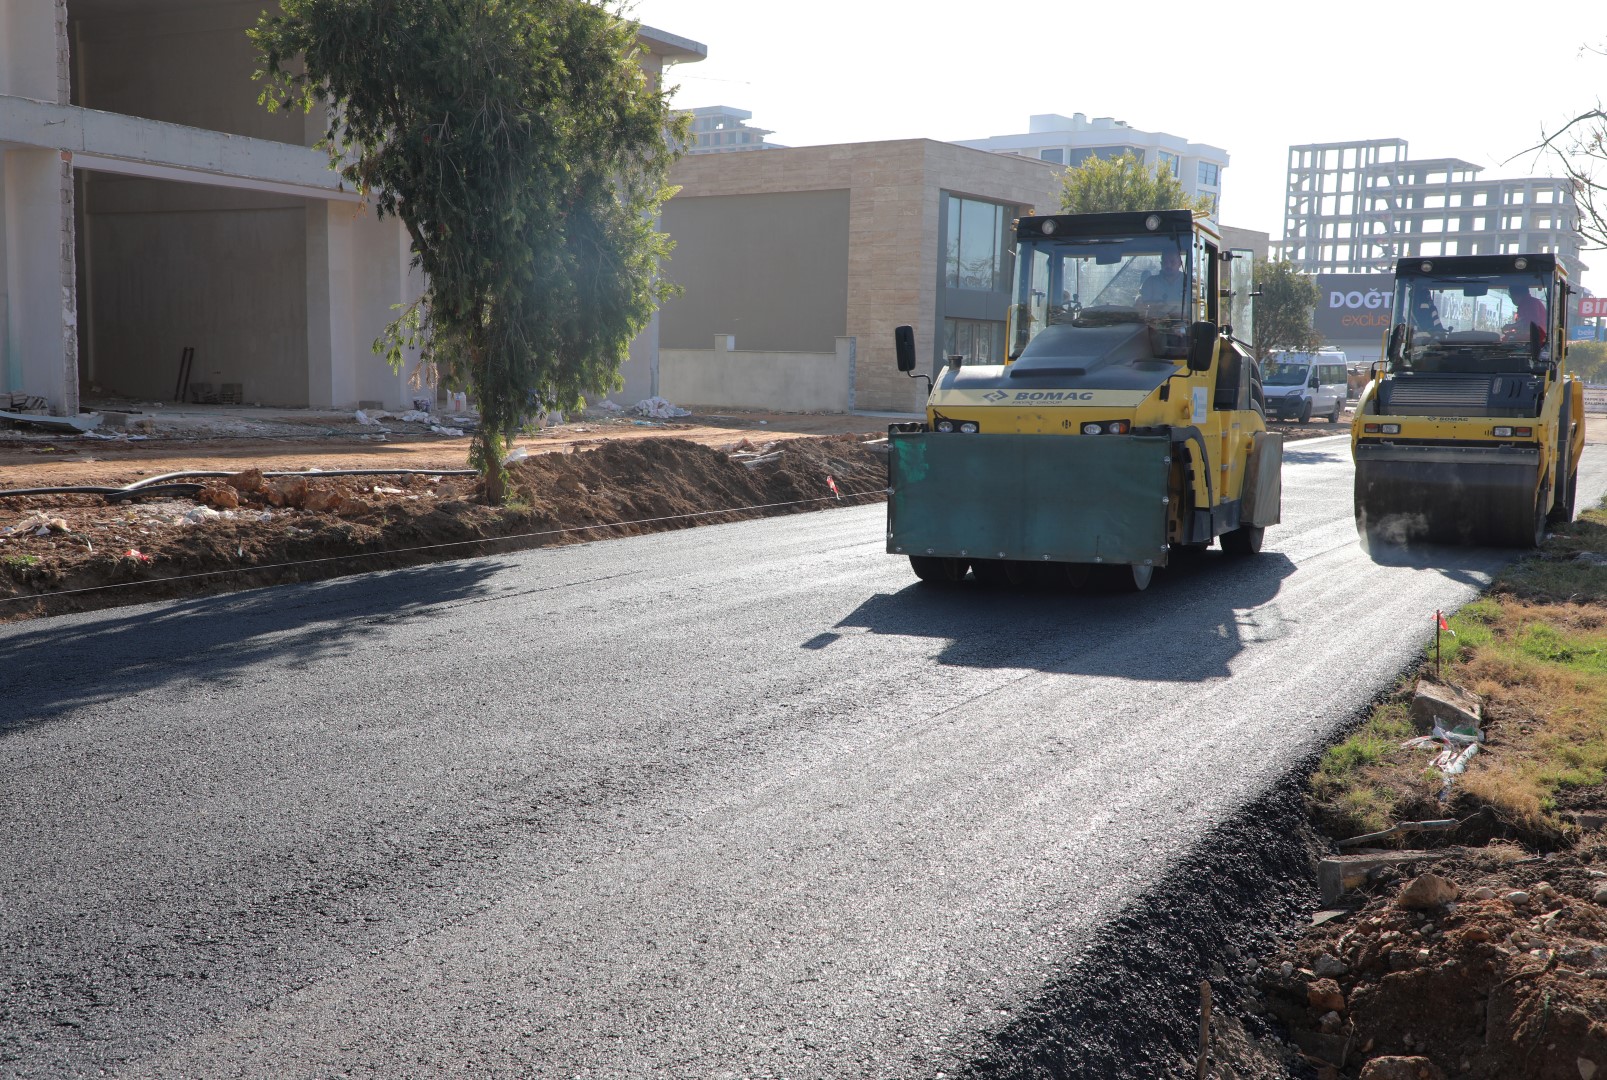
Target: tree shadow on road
<point>55,665</point>
<point>1188,626</point>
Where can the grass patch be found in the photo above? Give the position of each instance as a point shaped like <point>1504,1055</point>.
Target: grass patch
<point>19,562</point>
<point>1534,649</point>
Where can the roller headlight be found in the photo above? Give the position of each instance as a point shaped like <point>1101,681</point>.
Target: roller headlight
<point>1048,227</point>
<point>1093,429</point>
<point>1152,222</point>
<point>1502,433</point>
<point>969,427</point>
<point>945,425</point>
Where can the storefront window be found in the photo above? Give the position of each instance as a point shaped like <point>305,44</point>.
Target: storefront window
<point>975,245</point>
<point>978,340</point>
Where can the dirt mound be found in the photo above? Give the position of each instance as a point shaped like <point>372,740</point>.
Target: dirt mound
<point>1507,980</point>
<point>670,484</point>
<point>76,552</point>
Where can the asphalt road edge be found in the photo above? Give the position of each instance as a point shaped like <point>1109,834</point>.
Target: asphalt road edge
<point>1129,1008</point>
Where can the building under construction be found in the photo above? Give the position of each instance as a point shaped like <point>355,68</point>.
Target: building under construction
<point>1357,207</point>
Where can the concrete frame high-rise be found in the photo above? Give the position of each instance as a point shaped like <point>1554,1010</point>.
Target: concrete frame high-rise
<point>1357,207</point>
<point>148,203</point>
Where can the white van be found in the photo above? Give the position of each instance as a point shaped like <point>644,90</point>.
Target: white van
<point>1298,386</point>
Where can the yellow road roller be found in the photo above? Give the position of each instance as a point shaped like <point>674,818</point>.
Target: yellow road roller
<point>1125,425</point>
<point>1471,430</point>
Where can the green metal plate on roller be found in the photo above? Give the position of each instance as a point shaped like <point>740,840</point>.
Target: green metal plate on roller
<point>1035,497</point>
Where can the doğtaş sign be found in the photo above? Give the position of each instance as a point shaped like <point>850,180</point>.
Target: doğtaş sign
<point>1353,307</point>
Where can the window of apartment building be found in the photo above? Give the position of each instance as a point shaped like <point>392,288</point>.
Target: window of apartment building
<point>1057,156</point>
<point>1103,153</point>
<point>1210,173</point>
<point>975,250</point>
<point>1169,159</point>
<point>978,340</point>
<point>1545,196</point>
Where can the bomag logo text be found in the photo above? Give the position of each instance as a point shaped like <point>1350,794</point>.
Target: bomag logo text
<point>1054,395</point>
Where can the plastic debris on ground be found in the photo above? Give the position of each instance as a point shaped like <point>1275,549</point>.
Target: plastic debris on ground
<point>517,454</point>
<point>609,407</point>
<point>205,513</point>
<point>1456,747</point>
<point>658,408</point>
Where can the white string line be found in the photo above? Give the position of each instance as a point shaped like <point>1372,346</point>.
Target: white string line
<point>435,547</point>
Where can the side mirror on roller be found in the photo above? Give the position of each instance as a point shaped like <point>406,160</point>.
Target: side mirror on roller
<point>904,347</point>
<point>1202,345</point>
<point>1397,342</point>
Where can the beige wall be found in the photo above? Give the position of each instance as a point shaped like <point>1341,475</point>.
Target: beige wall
<point>771,269</point>
<point>893,190</point>
<point>170,265</point>
<point>1247,239</point>
<point>751,379</point>
<point>191,66</point>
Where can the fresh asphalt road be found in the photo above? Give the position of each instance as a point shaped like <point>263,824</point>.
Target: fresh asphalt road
<point>742,800</point>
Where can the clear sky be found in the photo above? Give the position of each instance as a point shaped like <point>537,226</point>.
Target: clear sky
<point>1475,80</point>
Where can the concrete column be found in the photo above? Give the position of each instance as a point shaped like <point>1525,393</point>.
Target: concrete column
<point>40,295</point>
<point>33,49</point>
<point>382,252</point>
<point>639,370</point>
<point>38,286</point>
<point>331,377</point>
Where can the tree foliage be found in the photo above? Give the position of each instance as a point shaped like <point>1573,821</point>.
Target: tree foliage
<point>1588,360</point>
<point>1284,309</point>
<point>1100,186</point>
<point>522,147</point>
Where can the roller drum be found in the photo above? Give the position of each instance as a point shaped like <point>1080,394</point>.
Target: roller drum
<point>1480,496</point>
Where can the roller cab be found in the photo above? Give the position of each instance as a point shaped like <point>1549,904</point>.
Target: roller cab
<point>1471,430</point>
<point>1124,427</point>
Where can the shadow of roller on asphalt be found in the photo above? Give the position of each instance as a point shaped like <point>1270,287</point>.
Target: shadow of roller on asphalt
<point>1198,614</point>
<point>1467,565</point>
<point>1292,456</point>
<point>71,661</point>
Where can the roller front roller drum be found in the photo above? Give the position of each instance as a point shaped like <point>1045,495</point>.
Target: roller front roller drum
<point>1478,496</point>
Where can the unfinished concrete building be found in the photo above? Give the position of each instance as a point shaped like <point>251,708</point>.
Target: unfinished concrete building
<point>1357,207</point>
<point>150,205</point>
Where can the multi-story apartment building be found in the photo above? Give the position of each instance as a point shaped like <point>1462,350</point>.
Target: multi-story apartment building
<point>1071,140</point>
<point>720,129</point>
<point>1357,207</point>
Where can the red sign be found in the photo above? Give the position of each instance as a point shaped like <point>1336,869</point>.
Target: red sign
<point>1593,307</point>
